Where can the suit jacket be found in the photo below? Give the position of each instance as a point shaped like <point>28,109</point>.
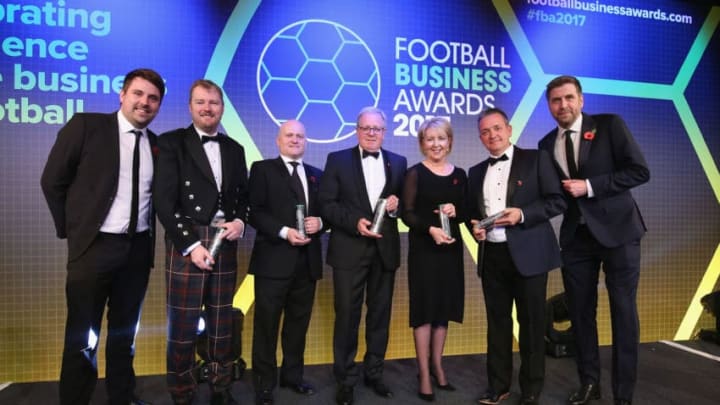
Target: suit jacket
<point>612,161</point>
<point>80,178</point>
<point>272,206</point>
<point>534,187</point>
<point>344,200</point>
<point>185,193</point>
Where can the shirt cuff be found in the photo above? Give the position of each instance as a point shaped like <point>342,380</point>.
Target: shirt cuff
<point>590,192</point>
<point>190,248</point>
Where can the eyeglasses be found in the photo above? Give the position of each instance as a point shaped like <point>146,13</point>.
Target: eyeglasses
<point>368,130</point>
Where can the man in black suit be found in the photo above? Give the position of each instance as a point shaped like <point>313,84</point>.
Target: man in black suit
<point>515,253</point>
<point>599,162</point>
<point>364,262</point>
<point>286,261</point>
<point>200,187</point>
<point>97,183</point>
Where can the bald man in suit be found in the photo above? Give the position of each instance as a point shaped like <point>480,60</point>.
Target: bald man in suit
<point>286,261</point>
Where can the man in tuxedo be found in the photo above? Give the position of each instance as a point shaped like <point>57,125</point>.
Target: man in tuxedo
<point>200,189</point>
<point>599,162</point>
<point>97,183</point>
<point>363,262</point>
<point>286,260</point>
<point>515,253</point>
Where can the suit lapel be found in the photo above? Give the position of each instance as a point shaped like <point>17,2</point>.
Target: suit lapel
<point>360,176</point>
<point>518,168</point>
<point>195,148</point>
<point>482,170</point>
<point>388,173</point>
<point>588,126</point>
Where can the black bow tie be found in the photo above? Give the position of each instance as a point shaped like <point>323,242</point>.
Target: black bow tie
<point>493,160</point>
<point>373,154</point>
<point>204,138</point>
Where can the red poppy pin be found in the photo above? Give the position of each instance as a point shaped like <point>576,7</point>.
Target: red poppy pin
<point>519,183</point>
<point>589,135</point>
<point>312,179</point>
<point>455,181</point>
<point>155,150</point>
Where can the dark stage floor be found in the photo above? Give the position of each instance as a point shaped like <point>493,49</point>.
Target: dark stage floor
<point>669,373</point>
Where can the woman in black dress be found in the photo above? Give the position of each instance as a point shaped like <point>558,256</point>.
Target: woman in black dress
<point>435,257</point>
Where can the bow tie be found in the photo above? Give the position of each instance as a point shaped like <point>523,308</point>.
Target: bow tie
<point>204,138</point>
<point>493,160</point>
<point>373,154</point>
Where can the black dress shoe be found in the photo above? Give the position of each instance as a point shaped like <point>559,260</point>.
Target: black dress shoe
<point>491,398</point>
<point>344,395</point>
<point>585,394</point>
<point>222,398</point>
<point>622,402</point>
<point>264,397</point>
<point>302,387</point>
<point>426,397</point>
<point>379,387</point>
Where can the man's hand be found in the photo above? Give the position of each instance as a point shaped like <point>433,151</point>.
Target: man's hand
<point>392,203</point>
<point>233,229</point>
<point>574,187</point>
<point>312,225</point>
<point>479,233</point>
<point>295,239</point>
<point>363,228</point>
<point>202,258</point>
<point>511,217</point>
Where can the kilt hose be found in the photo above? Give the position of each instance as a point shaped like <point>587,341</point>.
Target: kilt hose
<point>189,291</point>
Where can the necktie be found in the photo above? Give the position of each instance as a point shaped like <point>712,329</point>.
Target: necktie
<point>495,160</point>
<point>132,227</point>
<point>570,155</point>
<point>373,154</point>
<point>296,184</point>
<point>205,139</point>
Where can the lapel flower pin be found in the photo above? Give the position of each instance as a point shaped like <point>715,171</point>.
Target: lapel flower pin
<point>455,181</point>
<point>312,179</point>
<point>519,183</point>
<point>589,135</point>
<point>155,150</point>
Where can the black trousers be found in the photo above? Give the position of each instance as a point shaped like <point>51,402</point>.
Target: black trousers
<point>502,284</point>
<point>291,299</point>
<point>367,278</point>
<point>113,273</point>
<point>582,259</point>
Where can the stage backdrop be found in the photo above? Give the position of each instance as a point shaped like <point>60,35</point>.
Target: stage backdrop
<point>654,62</point>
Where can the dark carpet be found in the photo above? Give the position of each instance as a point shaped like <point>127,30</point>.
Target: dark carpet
<point>667,375</point>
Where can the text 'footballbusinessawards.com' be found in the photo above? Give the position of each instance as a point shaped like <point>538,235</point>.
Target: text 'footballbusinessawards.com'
<point>599,7</point>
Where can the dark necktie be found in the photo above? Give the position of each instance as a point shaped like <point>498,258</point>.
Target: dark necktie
<point>296,184</point>
<point>373,154</point>
<point>204,138</point>
<point>499,159</point>
<point>132,227</point>
<point>570,155</point>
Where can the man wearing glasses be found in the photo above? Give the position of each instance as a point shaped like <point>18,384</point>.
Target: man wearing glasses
<point>363,261</point>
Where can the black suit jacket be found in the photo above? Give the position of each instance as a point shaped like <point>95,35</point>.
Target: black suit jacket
<point>344,200</point>
<point>534,187</point>
<point>272,206</point>
<point>80,178</point>
<point>185,193</point>
<point>612,161</point>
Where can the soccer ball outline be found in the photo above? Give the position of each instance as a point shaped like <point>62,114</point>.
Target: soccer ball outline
<point>316,83</point>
